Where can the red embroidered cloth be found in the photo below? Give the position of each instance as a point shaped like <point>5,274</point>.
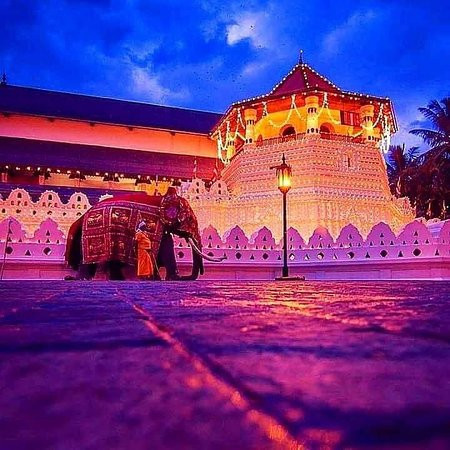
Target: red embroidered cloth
<point>109,229</point>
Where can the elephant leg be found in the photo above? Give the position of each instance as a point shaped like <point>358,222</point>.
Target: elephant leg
<point>114,269</point>
<point>87,271</point>
<point>166,257</point>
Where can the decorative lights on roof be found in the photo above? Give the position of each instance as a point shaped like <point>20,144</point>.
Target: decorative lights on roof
<point>309,89</point>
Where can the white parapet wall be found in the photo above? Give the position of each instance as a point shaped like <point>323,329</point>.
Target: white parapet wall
<point>420,251</point>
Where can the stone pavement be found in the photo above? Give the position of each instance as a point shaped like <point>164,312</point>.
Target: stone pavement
<point>224,365</point>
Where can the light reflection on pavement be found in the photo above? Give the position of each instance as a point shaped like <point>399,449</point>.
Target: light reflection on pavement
<point>224,365</point>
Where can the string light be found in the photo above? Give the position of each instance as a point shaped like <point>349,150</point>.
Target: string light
<point>293,107</point>
<point>221,148</point>
<point>239,119</point>
<point>381,117</point>
<point>327,106</point>
<point>385,140</point>
<point>229,140</point>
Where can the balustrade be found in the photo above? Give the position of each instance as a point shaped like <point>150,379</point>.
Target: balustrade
<point>302,136</point>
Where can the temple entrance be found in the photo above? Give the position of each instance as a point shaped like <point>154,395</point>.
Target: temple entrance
<point>288,133</point>
<point>326,131</point>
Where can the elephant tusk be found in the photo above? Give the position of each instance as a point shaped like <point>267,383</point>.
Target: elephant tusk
<point>207,257</point>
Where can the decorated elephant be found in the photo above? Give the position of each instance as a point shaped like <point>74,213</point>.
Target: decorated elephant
<point>105,234</point>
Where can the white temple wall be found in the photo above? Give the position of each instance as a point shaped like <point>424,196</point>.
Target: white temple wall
<point>334,182</point>
<point>420,251</point>
<point>333,251</point>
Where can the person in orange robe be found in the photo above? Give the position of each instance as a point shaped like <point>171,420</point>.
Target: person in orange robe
<point>145,267</point>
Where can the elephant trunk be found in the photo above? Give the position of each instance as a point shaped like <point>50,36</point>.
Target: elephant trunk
<point>197,251</point>
<point>197,263</point>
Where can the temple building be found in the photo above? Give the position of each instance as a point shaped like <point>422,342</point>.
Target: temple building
<point>57,139</point>
<point>333,139</point>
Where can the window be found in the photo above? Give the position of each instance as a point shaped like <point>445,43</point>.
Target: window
<point>288,131</point>
<point>325,131</point>
<point>350,118</point>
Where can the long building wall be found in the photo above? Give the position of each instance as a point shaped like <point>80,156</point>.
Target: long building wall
<point>112,136</point>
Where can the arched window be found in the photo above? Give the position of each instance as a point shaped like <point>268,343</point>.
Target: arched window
<point>326,131</point>
<point>288,131</point>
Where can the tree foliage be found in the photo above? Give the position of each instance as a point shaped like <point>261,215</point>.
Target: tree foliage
<point>425,178</point>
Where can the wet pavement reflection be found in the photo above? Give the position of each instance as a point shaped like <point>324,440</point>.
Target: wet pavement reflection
<point>225,365</point>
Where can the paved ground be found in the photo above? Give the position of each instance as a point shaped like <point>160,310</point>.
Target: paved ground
<point>209,365</point>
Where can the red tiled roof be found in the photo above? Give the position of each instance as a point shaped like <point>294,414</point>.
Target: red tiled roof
<point>303,78</point>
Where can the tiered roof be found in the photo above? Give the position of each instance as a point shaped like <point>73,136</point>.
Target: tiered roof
<point>304,79</point>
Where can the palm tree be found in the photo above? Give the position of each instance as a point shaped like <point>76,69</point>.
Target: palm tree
<point>433,197</point>
<point>401,167</point>
<point>438,138</point>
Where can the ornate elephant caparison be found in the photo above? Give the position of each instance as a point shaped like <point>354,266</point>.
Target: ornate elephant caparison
<point>105,234</point>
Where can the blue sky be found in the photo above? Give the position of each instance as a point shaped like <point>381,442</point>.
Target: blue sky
<point>207,54</point>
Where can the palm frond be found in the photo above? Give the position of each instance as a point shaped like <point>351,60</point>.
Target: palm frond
<point>412,154</point>
<point>429,114</point>
<point>431,137</point>
<point>435,156</point>
<point>446,102</point>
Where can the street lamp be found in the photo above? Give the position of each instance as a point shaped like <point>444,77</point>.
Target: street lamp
<point>284,174</point>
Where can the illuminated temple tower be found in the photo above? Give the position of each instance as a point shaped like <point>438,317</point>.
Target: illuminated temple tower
<point>332,139</point>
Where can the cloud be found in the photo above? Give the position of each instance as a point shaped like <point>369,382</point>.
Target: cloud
<point>208,53</point>
<point>268,43</point>
<point>253,26</point>
<point>403,136</point>
<point>354,24</point>
<point>255,68</point>
<point>149,86</point>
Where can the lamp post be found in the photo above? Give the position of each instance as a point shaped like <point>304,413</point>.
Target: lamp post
<point>284,174</point>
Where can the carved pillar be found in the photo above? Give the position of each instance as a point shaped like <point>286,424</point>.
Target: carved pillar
<point>312,121</point>
<point>250,119</point>
<point>366,116</point>
<point>4,177</point>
